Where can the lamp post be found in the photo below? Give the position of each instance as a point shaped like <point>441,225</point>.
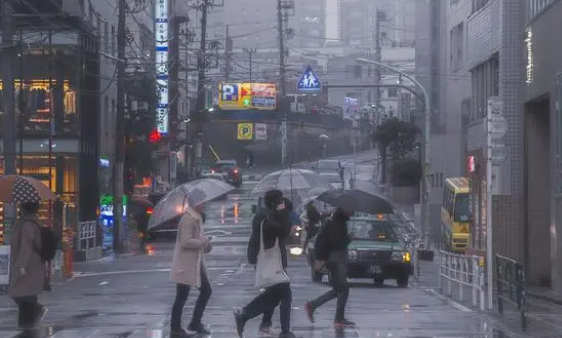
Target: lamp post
<point>427,134</point>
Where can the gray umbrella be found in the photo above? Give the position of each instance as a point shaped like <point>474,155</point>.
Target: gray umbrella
<point>191,194</point>
<point>292,180</point>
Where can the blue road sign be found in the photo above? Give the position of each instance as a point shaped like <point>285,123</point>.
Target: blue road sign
<point>309,81</point>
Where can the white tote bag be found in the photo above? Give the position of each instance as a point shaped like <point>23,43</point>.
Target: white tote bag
<point>269,268</point>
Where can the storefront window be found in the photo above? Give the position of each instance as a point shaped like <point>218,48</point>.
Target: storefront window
<point>36,99</point>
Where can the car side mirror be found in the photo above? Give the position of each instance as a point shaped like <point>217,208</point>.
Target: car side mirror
<point>254,209</point>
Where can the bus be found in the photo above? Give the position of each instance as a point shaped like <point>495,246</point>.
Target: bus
<point>456,214</point>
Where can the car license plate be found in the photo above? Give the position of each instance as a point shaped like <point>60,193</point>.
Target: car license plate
<point>375,270</point>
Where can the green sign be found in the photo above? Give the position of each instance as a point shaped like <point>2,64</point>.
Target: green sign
<point>108,200</point>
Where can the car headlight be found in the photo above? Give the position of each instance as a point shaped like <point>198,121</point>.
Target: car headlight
<point>352,255</point>
<point>401,256</point>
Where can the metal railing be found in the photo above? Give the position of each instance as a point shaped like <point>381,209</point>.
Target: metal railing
<point>87,235</point>
<point>463,271</point>
<point>510,283</point>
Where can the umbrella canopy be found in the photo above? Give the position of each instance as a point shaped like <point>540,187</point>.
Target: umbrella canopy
<point>191,194</point>
<point>357,200</point>
<point>292,180</point>
<point>20,189</point>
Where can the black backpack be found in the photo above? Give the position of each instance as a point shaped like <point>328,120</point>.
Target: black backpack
<point>49,243</point>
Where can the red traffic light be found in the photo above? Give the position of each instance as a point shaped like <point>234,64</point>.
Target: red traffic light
<point>154,136</point>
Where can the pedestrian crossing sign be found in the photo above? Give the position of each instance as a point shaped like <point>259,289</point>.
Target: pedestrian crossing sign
<point>309,81</point>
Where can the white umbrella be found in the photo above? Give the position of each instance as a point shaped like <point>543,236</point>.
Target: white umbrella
<point>191,194</point>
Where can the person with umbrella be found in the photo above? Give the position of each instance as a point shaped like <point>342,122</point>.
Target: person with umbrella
<point>331,252</point>
<point>275,222</point>
<point>30,249</point>
<point>311,219</point>
<point>188,270</point>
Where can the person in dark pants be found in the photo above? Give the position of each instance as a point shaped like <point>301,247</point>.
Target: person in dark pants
<point>27,268</point>
<point>330,252</point>
<point>276,218</point>
<point>188,270</point>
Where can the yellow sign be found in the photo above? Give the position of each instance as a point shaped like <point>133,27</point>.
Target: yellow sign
<point>238,96</point>
<point>245,131</point>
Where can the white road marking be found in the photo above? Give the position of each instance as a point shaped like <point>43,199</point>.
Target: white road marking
<point>123,272</point>
<point>455,305</point>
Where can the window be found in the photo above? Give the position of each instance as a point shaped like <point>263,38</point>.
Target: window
<point>106,36</point>
<point>392,92</point>
<point>463,209</point>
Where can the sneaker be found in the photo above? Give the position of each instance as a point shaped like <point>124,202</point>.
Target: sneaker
<point>309,311</point>
<point>343,324</point>
<point>180,334</point>
<point>240,320</point>
<point>267,331</point>
<point>198,328</point>
<point>287,335</point>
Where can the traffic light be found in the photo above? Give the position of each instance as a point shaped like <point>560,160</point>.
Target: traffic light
<point>154,136</point>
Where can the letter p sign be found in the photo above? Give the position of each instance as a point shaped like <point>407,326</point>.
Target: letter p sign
<point>229,92</point>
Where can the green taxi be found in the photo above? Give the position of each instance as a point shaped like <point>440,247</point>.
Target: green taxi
<point>377,252</point>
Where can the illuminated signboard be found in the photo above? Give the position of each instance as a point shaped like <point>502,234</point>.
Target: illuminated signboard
<point>162,54</point>
<point>236,96</point>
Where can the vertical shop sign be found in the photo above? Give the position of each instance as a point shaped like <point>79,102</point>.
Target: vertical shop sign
<point>162,54</point>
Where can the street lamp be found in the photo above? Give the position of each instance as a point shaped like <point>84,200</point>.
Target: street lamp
<point>427,129</point>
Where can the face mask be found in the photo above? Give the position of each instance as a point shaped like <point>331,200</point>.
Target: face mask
<point>281,206</point>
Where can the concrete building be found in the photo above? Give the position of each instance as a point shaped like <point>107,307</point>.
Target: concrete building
<point>346,70</point>
<point>540,122</point>
<point>357,22</point>
<point>442,68</point>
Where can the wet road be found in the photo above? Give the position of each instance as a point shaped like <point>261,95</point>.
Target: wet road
<point>131,297</point>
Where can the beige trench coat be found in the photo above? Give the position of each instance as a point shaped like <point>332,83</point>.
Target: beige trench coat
<point>25,243</point>
<point>191,245</point>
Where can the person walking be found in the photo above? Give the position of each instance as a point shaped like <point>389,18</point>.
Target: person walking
<point>331,252</point>
<point>311,219</point>
<point>27,268</point>
<point>188,270</point>
<point>275,222</point>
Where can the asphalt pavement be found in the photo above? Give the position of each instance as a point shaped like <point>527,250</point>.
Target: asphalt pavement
<point>131,297</point>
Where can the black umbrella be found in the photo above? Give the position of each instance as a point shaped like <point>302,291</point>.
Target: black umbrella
<point>356,200</point>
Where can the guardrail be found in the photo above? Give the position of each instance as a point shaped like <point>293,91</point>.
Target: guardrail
<point>510,283</point>
<point>464,271</point>
<point>87,235</point>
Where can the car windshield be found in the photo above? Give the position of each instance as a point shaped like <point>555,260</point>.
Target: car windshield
<point>224,165</point>
<point>463,208</point>
<point>373,230</point>
<point>328,165</point>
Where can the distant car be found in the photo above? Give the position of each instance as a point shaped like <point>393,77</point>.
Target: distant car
<point>329,169</point>
<point>377,251</point>
<point>231,171</point>
<point>208,173</point>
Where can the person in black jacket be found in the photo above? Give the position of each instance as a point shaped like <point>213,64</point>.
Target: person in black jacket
<point>330,251</point>
<point>313,218</point>
<point>276,218</point>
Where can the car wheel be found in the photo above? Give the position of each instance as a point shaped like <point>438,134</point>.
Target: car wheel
<point>379,281</point>
<point>315,275</point>
<point>402,281</point>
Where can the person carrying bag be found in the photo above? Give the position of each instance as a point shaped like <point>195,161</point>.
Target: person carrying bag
<point>267,251</point>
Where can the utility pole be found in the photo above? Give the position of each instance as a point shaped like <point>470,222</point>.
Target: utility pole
<point>120,139</point>
<point>201,92</point>
<point>8,92</point>
<point>228,46</point>
<point>282,54</point>
<point>378,57</point>
<point>250,52</point>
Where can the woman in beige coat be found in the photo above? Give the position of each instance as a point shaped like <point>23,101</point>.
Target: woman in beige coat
<point>188,270</point>
<point>27,269</point>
